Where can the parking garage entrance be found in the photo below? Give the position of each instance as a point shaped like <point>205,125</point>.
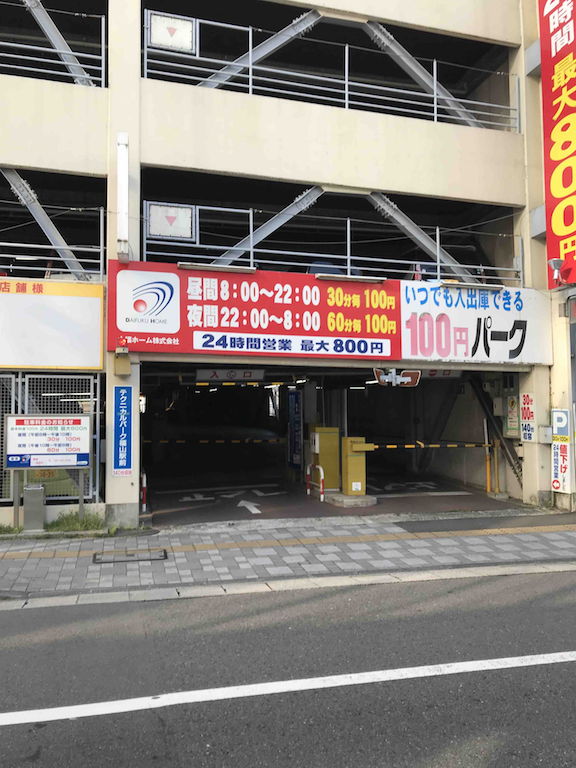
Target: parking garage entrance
<point>224,444</point>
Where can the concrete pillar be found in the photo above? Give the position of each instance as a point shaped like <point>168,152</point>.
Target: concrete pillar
<point>124,68</point>
<point>536,478</point>
<point>122,493</point>
<point>537,457</point>
<point>124,76</point>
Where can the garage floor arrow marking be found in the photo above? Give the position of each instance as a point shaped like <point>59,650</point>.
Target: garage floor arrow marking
<point>232,495</point>
<point>261,493</point>
<point>252,506</point>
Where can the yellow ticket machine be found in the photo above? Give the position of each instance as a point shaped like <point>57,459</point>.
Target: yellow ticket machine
<point>354,465</point>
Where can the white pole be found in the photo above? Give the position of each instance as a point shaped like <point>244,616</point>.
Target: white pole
<point>123,190</point>
<point>346,76</point>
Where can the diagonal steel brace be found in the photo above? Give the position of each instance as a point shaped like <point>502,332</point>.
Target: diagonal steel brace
<point>300,204</point>
<point>390,210</point>
<point>56,39</point>
<point>387,43</point>
<point>28,197</point>
<point>300,26</point>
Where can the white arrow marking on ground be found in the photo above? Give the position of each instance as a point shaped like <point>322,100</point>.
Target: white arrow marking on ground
<point>261,493</point>
<point>252,506</point>
<point>232,495</point>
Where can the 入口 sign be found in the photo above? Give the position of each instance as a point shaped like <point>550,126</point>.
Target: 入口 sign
<point>238,375</point>
<point>34,442</point>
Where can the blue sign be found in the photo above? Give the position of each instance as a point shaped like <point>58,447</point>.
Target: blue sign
<point>295,428</point>
<point>122,431</point>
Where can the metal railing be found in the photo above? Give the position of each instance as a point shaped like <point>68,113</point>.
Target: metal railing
<point>41,261</point>
<point>209,241</point>
<point>44,61</point>
<point>57,394</point>
<point>343,89</point>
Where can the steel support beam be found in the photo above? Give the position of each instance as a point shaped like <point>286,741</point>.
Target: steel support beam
<point>507,445</point>
<point>299,27</point>
<point>387,43</point>
<point>390,210</point>
<point>300,204</point>
<point>27,197</point>
<point>56,39</point>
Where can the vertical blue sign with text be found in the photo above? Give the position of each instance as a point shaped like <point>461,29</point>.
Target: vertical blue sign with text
<point>295,429</point>
<point>122,432</point>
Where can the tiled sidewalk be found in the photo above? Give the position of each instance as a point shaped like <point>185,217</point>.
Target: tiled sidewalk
<point>66,565</point>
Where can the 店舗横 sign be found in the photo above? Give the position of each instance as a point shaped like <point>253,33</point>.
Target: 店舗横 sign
<point>47,441</point>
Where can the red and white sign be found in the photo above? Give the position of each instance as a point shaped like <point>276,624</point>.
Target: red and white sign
<point>171,221</point>
<point>527,418</point>
<point>558,49</point>
<point>172,32</point>
<point>161,308</point>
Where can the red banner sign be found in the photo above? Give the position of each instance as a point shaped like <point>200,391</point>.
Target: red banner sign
<point>161,308</point>
<point>557,39</point>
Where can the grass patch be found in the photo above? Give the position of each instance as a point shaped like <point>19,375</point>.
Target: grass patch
<point>9,529</point>
<point>71,522</point>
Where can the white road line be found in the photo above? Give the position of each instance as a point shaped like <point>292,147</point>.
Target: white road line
<point>421,493</point>
<point>284,686</point>
<point>220,488</point>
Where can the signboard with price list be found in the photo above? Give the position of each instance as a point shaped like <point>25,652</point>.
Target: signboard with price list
<point>161,308</point>
<point>47,441</point>
<point>558,54</point>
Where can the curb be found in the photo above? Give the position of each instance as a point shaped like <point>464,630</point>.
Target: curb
<point>330,522</point>
<point>282,585</point>
<point>55,535</point>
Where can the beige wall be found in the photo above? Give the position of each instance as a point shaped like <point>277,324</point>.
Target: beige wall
<point>492,20</point>
<point>238,134</point>
<point>53,126</point>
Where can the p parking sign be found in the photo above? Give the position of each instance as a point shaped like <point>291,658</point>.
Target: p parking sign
<point>561,451</point>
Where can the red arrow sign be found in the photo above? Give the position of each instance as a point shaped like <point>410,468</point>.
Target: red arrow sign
<point>171,219</point>
<point>171,31</point>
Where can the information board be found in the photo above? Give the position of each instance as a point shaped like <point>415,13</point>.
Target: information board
<point>47,441</point>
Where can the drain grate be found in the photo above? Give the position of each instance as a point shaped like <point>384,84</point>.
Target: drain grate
<point>129,556</point>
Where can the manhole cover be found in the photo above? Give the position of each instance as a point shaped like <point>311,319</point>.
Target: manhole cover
<point>129,556</point>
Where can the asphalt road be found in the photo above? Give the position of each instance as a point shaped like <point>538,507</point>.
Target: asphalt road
<point>513,717</point>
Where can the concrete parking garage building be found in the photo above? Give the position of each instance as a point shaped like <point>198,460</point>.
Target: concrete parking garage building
<point>206,207</point>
